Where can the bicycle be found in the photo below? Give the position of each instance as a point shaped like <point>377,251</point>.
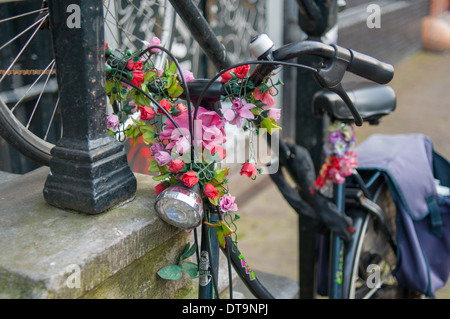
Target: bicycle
<point>336,61</point>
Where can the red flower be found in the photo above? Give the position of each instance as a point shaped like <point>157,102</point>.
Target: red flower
<point>131,65</point>
<point>166,105</point>
<point>320,181</point>
<point>160,187</point>
<point>176,165</point>
<point>189,178</point>
<point>226,76</point>
<point>138,77</point>
<point>266,97</point>
<point>241,71</point>
<point>249,169</point>
<point>181,108</point>
<point>210,191</point>
<point>147,113</point>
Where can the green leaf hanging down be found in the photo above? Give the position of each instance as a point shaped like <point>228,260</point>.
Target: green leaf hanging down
<point>172,272</point>
<point>190,268</point>
<point>222,231</point>
<point>270,125</point>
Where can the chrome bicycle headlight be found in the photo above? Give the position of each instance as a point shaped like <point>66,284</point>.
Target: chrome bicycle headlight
<point>180,206</point>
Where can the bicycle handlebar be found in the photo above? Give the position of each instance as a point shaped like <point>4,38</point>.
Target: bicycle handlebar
<point>337,61</point>
<point>358,63</point>
<point>370,68</point>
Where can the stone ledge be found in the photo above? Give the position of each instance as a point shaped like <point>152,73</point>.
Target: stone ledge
<point>43,247</point>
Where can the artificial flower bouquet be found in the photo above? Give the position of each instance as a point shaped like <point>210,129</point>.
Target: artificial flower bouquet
<point>186,142</point>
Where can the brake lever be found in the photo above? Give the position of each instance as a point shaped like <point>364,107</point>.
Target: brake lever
<point>331,76</point>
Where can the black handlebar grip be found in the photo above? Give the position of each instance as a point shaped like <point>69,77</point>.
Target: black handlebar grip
<point>370,68</point>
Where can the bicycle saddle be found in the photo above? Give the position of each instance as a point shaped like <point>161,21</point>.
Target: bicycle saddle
<point>372,102</point>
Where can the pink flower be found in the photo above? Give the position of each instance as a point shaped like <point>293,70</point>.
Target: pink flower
<point>265,97</point>
<point>249,169</point>
<point>212,136</point>
<point>239,110</point>
<point>134,109</point>
<point>155,41</point>
<point>180,142</point>
<point>112,121</point>
<point>348,162</point>
<point>227,203</point>
<point>163,158</point>
<point>188,76</point>
<point>208,124</point>
<point>274,114</point>
<point>181,108</point>
<point>189,178</point>
<point>219,150</point>
<point>156,148</point>
<point>210,191</point>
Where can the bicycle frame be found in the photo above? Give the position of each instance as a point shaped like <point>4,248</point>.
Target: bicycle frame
<point>358,192</point>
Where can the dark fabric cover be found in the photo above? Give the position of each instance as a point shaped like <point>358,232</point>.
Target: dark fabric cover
<point>423,215</point>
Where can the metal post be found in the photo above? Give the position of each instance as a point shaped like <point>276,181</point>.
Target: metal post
<point>89,171</point>
<point>316,17</point>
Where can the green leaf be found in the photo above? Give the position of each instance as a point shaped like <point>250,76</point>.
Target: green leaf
<point>173,272</point>
<point>109,86</point>
<point>185,250</point>
<point>141,99</point>
<point>153,167</point>
<point>170,70</point>
<point>175,90</point>
<point>220,174</point>
<point>160,177</point>
<point>270,125</point>
<point>150,75</point>
<point>190,268</point>
<point>188,252</point>
<point>149,137</point>
<point>214,201</point>
<point>222,231</point>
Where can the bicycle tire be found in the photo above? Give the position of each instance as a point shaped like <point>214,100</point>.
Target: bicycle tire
<point>370,257</point>
<point>15,128</point>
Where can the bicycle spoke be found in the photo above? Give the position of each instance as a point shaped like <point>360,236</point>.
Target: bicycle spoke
<point>39,98</point>
<point>42,20</point>
<point>51,119</point>
<point>22,15</point>
<point>32,85</point>
<point>19,34</point>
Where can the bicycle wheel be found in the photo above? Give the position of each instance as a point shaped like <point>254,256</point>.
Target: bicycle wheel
<point>370,258</point>
<point>30,119</point>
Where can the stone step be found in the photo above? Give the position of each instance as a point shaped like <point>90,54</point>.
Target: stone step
<point>52,253</point>
<point>6,177</point>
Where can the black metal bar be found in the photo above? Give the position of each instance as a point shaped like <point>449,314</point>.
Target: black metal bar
<point>310,131</point>
<point>89,171</point>
<point>202,33</point>
<point>249,279</point>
